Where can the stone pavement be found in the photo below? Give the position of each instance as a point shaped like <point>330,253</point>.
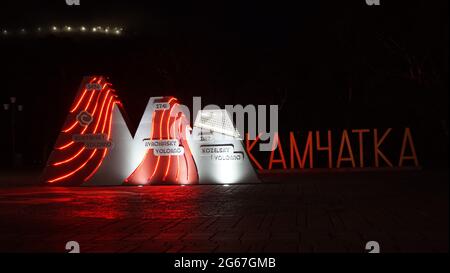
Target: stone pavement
<point>333,212</point>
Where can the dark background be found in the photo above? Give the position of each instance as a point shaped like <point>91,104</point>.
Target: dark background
<point>327,64</point>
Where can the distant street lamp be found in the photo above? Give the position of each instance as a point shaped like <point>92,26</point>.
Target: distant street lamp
<point>13,107</point>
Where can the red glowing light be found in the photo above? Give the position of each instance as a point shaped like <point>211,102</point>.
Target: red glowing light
<point>104,152</point>
<point>83,163</point>
<point>168,137</point>
<point>82,96</point>
<point>178,158</point>
<point>107,113</point>
<point>101,111</point>
<point>75,171</point>
<point>162,168</point>
<point>71,127</point>
<point>79,101</point>
<point>89,101</point>
<point>65,146</point>
<point>70,159</point>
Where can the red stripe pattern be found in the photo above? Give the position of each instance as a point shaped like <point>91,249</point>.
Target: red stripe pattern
<point>72,162</point>
<point>168,169</point>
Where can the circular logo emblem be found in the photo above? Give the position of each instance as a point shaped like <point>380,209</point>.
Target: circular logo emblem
<point>84,118</point>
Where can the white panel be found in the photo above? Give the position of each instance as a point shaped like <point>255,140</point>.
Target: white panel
<point>127,152</point>
<point>220,159</point>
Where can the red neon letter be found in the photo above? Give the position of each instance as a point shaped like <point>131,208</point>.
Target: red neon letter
<point>308,147</point>
<point>249,148</point>
<point>272,153</point>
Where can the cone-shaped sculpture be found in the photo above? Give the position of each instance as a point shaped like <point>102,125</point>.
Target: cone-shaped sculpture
<point>169,159</point>
<point>85,139</point>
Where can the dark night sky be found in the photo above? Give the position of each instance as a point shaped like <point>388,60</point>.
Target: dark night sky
<point>305,57</point>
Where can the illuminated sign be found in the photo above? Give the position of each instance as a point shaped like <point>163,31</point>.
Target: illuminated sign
<point>95,146</point>
<point>357,148</point>
<point>218,149</point>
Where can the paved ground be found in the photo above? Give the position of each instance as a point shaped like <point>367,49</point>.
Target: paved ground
<point>337,212</point>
